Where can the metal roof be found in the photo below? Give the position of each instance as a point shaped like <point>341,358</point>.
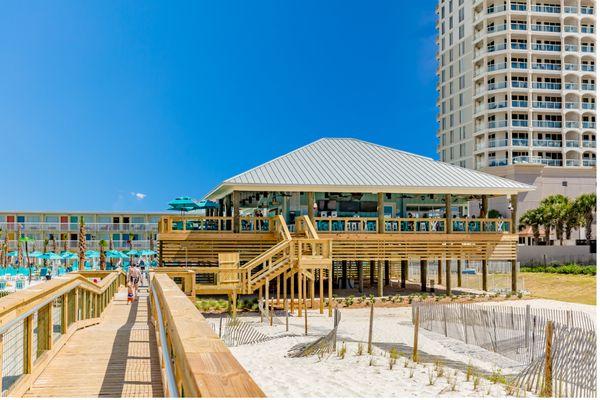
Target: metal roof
<point>346,164</point>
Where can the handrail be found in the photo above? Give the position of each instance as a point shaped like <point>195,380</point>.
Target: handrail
<point>171,385</point>
<point>74,300</point>
<point>348,224</point>
<point>202,365</point>
<point>282,228</point>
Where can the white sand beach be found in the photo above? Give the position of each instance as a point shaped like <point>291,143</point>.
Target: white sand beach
<point>370,376</point>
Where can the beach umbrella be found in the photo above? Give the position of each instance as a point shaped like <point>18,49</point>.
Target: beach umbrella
<point>67,255</point>
<point>147,253</point>
<point>50,256</point>
<point>204,204</point>
<point>13,253</point>
<point>92,254</point>
<point>116,254</point>
<point>35,254</point>
<point>131,253</point>
<point>183,204</point>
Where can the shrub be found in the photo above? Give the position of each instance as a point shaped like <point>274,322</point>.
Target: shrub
<point>342,351</point>
<point>570,269</point>
<point>349,301</point>
<point>497,377</point>
<point>393,357</point>
<point>360,349</point>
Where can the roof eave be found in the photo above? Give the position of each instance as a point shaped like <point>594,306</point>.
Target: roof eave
<point>226,188</point>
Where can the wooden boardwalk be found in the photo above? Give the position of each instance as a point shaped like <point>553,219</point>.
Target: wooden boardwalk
<point>116,358</point>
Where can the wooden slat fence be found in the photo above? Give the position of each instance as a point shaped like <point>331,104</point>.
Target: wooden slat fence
<point>519,333</point>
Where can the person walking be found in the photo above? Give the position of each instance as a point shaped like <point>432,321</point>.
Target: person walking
<point>133,279</point>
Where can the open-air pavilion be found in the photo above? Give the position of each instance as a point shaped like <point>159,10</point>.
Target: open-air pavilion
<point>334,206</point>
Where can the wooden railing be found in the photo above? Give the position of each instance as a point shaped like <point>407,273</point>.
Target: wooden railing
<point>256,224</point>
<point>483,225</point>
<point>416,225</point>
<point>36,322</point>
<point>196,363</point>
<point>199,223</point>
<point>346,224</point>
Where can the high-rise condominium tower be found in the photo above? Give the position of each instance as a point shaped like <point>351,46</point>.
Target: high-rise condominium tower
<point>517,91</point>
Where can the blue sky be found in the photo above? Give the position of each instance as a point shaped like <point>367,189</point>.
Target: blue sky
<point>123,105</point>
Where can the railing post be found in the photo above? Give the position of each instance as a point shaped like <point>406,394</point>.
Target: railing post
<point>29,340</point>
<point>65,309</point>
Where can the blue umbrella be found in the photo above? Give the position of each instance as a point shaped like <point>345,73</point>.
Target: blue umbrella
<point>132,253</point>
<point>207,204</point>
<point>35,254</point>
<point>147,253</point>
<point>183,204</point>
<point>50,256</point>
<point>116,254</point>
<point>67,255</point>
<point>92,254</point>
<point>13,253</point>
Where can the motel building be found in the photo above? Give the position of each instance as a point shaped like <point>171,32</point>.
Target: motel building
<point>306,221</point>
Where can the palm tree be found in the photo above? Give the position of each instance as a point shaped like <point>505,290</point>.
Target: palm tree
<point>533,218</point>
<point>572,219</point>
<point>19,248</point>
<point>81,259</point>
<point>46,241</point>
<point>26,240</point>
<point>586,207</point>
<point>102,244</point>
<point>555,212</point>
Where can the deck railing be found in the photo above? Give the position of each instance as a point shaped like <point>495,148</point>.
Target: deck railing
<point>196,362</point>
<point>346,224</point>
<point>415,225</point>
<point>37,321</point>
<point>484,225</point>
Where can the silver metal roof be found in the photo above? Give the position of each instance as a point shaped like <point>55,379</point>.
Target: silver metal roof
<point>346,164</point>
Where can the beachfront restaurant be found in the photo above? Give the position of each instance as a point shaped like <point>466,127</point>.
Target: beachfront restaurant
<point>345,211</point>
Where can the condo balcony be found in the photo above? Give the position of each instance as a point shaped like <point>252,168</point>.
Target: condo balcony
<point>518,65</point>
<point>518,46</point>
<point>570,10</point>
<point>571,105</point>
<point>571,86</point>
<point>588,106</point>
<point>74,227</point>
<point>544,85</point>
<point>588,124</point>
<point>547,104</point>
<point>572,163</point>
<point>497,124</point>
<point>496,9</point>
<point>497,85</point>
<point>496,67</point>
<point>519,103</point>
<point>587,29</point>
<point>493,162</point>
<point>546,124</point>
<point>589,144</point>
<point>571,124</point>
<point>527,160</point>
<point>587,10</point>
<point>545,9</point>
<point>518,7</point>
<point>545,47</point>
<point>570,28</point>
<point>520,122</point>
<point>588,67</point>
<point>546,143</point>
<point>588,86</point>
<point>571,47</point>
<point>543,66</point>
<point>588,162</point>
<point>498,143</point>
<point>520,142</point>
<point>572,143</point>
<point>552,162</point>
<point>515,26</point>
<point>587,48</point>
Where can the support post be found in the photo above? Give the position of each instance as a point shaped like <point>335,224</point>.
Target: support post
<point>284,289</point>
<point>386,280</point>
<point>310,201</point>
<point>380,279</point>
<point>372,273</point>
<point>321,293</point>
<point>292,291</point>
<point>484,206</point>
<point>513,230</point>
<point>235,198</point>
<point>234,304</point>
<point>403,273</point>
<point>299,293</point>
<point>330,289</point>
<point>361,276</point>
<point>267,294</point>
<point>380,214</point>
<point>448,214</point>
<point>484,273</point>
<point>279,290</point>
<point>423,275</point>
<point>344,274</point>
<point>448,277</point>
<point>459,272</point>
<point>370,343</point>
<point>547,385</point>
<point>439,271</point>
<point>415,354</point>
<point>311,290</point>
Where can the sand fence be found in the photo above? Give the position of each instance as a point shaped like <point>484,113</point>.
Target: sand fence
<point>557,348</point>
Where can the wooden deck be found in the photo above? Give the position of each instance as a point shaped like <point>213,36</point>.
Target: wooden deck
<point>116,358</point>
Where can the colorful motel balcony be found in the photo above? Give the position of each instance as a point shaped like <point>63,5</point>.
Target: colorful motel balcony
<point>74,227</point>
<point>90,244</point>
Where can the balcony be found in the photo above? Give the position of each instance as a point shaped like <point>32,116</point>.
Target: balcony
<point>479,146</point>
<point>547,104</point>
<point>545,9</point>
<point>497,124</point>
<point>496,9</point>
<point>571,105</point>
<point>498,47</point>
<point>572,143</point>
<point>587,29</point>
<point>520,122</point>
<point>546,143</point>
<point>571,124</point>
<point>518,7</point>
<point>518,65</point>
<point>496,67</point>
<point>571,86</point>
<point>497,162</point>
<point>546,85</point>
<point>518,84</point>
<point>498,143</point>
<point>546,124</point>
<point>572,163</point>
<point>570,67</point>
<point>588,86</point>
<point>570,28</point>
<point>571,47</point>
<point>587,10</point>
<point>589,144</point>
<point>518,27</point>
<point>497,105</point>
<point>74,227</point>
<point>552,162</point>
<point>545,47</point>
<point>545,66</point>
<point>520,142</point>
<point>518,46</point>
<point>588,67</point>
<point>526,160</point>
<point>586,162</point>
<point>519,103</point>
<point>496,28</point>
<point>589,124</point>
<point>545,28</point>
<point>587,48</point>
<point>588,106</point>
<point>496,86</point>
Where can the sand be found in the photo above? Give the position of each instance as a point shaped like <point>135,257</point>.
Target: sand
<point>370,375</point>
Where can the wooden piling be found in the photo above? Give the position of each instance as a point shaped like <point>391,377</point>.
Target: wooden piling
<point>370,344</point>
<point>415,354</point>
<point>547,385</point>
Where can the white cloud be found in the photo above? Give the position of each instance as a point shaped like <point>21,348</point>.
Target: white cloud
<point>139,196</point>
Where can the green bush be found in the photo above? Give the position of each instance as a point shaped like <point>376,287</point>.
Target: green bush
<point>571,269</point>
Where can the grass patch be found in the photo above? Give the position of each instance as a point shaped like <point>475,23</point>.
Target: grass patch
<point>571,288</point>
<point>569,269</point>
